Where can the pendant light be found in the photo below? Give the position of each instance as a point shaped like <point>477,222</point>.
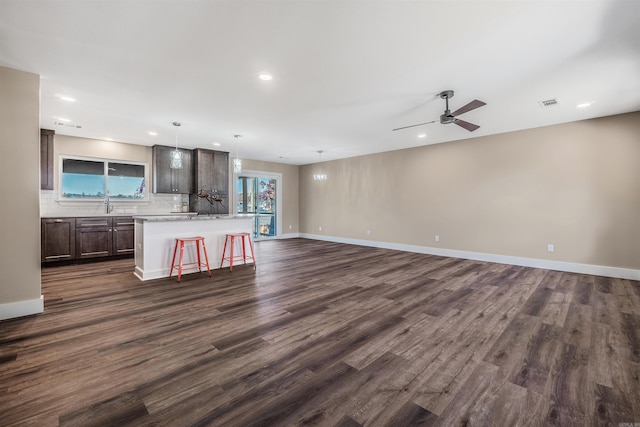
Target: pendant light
<point>176,155</point>
<point>237,163</point>
<point>320,176</point>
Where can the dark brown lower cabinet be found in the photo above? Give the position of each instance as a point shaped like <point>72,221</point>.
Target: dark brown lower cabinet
<point>123,235</point>
<point>93,237</point>
<point>58,239</point>
<point>86,237</point>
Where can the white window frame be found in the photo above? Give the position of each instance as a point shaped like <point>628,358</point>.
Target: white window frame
<point>61,197</point>
<point>280,197</point>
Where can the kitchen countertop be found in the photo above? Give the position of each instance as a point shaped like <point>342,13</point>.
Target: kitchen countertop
<point>192,217</point>
<point>90,215</point>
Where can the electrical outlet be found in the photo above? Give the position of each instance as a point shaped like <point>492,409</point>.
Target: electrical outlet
<point>290,227</point>
<point>550,247</point>
<point>368,232</point>
<point>320,228</point>
<point>437,238</point>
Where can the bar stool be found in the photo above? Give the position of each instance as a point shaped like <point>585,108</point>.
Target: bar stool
<point>181,241</point>
<point>231,237</point>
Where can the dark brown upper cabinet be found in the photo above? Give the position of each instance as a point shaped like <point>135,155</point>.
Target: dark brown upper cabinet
<point>168,180</point>
<point>211,172</point>
<point>46,159</point>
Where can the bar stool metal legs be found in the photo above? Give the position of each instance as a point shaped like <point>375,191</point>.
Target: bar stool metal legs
<point>199,265</point>
<point>230,241</point>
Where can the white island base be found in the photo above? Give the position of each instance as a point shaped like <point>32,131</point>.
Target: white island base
<point>155,239</point>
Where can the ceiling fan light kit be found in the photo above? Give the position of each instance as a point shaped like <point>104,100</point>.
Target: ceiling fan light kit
<point>448,117</point>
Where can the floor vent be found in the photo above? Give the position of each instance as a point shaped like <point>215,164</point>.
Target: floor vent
<point>548,102</point>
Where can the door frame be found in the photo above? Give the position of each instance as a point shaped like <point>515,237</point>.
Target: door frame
<point>279,197</point>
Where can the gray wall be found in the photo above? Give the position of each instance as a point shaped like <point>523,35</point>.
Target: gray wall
<point>574,185</point>
<point>20,184</point>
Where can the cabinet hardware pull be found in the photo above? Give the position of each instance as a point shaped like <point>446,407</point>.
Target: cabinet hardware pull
<point>58,220</point>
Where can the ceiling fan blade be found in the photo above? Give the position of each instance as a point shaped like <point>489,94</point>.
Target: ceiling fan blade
<point>470,106</point>
<point>419,124</point>
<point>468,126</point>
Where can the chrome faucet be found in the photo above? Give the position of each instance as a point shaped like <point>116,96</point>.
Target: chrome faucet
<point>107,201</point>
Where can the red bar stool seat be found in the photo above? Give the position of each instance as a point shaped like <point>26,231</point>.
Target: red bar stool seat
<point>199,265</point>
<point>231,238</point>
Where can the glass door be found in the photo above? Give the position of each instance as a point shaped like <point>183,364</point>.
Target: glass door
<point>258,195</point>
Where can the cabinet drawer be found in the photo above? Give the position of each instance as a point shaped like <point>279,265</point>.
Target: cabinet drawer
<point>123,221</point>
<point>97,222</point>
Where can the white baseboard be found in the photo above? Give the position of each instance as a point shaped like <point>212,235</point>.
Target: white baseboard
<point>289,236</point>
<point>570,267</point>
<point>21,308</point>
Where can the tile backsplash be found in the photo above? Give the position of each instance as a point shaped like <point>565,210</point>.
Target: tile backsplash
<point>50,205</point>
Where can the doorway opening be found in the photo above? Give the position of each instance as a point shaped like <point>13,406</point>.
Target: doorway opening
<point>258,193</point>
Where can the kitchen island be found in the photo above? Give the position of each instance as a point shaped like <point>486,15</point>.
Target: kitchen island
<point>155,240</point>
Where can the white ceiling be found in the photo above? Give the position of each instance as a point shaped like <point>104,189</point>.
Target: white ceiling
<point>345,73</point>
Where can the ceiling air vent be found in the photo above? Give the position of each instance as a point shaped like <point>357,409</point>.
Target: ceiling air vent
<point>548,102</point>
<point>58,123</point>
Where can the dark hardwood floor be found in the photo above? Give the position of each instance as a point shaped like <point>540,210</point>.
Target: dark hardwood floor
<point>325,334</point>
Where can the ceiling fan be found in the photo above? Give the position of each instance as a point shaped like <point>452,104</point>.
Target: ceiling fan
<point>449,117</point>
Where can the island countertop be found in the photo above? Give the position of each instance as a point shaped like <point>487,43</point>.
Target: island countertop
<point>192,217</point>
<point>155,238</point>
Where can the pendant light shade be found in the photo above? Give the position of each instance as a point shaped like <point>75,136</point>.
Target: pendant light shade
<point>320,176</point>
<point>176,159</point>
<point>176,155</point>
<point>237,163</point>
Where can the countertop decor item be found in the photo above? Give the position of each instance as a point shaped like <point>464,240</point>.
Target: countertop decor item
<point>214,200</point>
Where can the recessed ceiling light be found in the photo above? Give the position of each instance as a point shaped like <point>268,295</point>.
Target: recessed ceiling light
<point>216,144</point>
<point>422,135</point>
<point>152,133</point>
<point>584,105</point>
<point>265,76</point>
<point>62,119</point>
<point>66,98</point>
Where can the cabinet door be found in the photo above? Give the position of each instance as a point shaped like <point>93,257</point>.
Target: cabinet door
<point>211,172</point>
<point>123,235</point>
<point>221,172</point>
<point>202,167</point>
<point>183,178</point>
<point>58,239</point>
<point>46,159</point>
<point>162,173</point>
<point>168,180</point>
<point>93,237</point>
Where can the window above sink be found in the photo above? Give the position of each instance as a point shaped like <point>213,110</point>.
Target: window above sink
<point>94,179</point>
